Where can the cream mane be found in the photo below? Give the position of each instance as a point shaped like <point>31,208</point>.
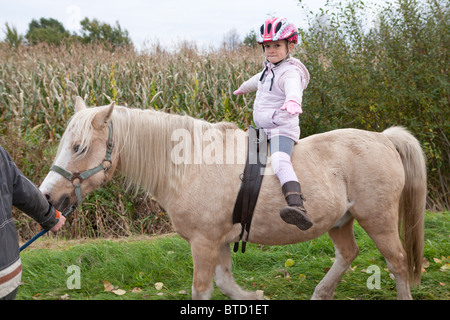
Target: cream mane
<point>144,141</point>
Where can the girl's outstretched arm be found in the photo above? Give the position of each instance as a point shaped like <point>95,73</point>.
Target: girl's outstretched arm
<point>249,85</point>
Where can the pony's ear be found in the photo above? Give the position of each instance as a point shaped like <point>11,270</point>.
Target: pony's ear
<point>79,104</point>
<point>103,116</point>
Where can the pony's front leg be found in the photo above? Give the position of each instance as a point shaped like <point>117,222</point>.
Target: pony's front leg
<point>225,281</point>
<point>205,256</point>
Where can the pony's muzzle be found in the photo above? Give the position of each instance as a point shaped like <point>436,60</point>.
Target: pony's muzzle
<point>61,204</point>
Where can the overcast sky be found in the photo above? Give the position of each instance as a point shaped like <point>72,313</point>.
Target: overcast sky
<point>169,21</point>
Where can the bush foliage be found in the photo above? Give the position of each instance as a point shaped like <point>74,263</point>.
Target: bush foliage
<point>394,72</point>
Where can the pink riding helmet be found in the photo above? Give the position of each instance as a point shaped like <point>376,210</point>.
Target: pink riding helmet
<point>275,29</point>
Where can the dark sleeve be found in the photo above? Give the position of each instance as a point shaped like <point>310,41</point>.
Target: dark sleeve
<point>29,199</point>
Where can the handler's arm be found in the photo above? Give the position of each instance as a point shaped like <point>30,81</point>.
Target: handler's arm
<point>29,199</point>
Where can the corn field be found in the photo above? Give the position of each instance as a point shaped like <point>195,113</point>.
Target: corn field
<point>39,83</point>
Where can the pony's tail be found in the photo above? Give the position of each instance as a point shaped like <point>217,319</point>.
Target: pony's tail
<point>413,198</point>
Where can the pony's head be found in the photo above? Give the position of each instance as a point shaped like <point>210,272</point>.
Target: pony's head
<point>86,157</point>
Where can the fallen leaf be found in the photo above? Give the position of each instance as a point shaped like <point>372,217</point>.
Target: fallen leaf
<point>289,263</point>
<point>65,297</point>
<point>182,292</point>
<point>445,267</point>
<point>119,292</point>
<point>136,290</point>
<point>160,294</point>
<point>425,263</point>
<point>442,284</point>
<point>159,285</point>
<point>437,260</point>
<point>108,286</point>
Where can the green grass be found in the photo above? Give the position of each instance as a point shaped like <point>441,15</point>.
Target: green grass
<point>141,263</point>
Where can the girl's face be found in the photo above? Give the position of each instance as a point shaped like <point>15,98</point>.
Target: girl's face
<point>275,51</point>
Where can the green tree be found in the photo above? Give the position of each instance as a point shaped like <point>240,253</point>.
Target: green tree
<point>13,38</point>
<point>250,39</point>
<point>46,30</point>
<point>95,31</point>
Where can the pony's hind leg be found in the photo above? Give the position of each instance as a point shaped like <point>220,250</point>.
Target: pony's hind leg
<point>225,281</point>
<point>387,240</point>
<point>346,251</point>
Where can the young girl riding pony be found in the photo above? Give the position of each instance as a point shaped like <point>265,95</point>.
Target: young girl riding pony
<point>279,89</point>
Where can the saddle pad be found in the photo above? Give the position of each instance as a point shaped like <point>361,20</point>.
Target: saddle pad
<point>251,182</point>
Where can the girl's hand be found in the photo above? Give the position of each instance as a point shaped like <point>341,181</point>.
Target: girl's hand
<point>292,107</point>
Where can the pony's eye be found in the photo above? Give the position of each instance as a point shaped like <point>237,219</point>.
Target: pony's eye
<point>77,148</point>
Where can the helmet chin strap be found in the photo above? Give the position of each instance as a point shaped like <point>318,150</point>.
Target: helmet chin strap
<point>282,60</point>
<point>288,55</point>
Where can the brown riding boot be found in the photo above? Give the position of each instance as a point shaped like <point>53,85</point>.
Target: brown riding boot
<point>294,212</point>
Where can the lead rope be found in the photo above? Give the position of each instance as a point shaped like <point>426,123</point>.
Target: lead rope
<point>42,232</point>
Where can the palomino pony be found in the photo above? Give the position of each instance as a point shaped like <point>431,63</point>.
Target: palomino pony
<point>192,168</point>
